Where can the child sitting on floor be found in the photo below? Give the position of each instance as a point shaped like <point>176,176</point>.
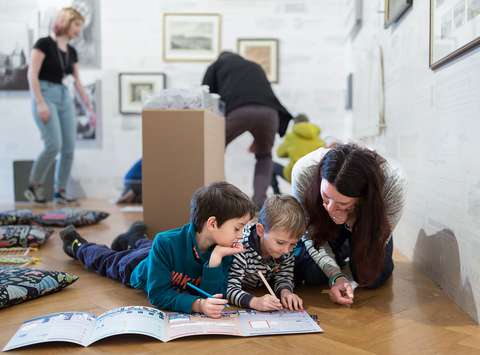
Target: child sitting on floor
<point>268,248</point>
<point>199,253</point>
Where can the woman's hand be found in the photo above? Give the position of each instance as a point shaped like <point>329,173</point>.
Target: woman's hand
<point>341,292</point>
<point>290,300</point>
<point>43,112</point>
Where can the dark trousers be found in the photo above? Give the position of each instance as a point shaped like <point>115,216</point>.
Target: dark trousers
<point>117,265</point>
<point>277,172</point>
<point>262,122</point>
<point>308,272</point>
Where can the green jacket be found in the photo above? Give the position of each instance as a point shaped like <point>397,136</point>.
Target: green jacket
<point>303,139</point>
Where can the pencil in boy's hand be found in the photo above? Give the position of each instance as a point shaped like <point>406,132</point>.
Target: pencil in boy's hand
<point>202,292</point>
<point>266,284</point>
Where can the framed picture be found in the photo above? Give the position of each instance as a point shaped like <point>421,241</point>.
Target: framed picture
<point>454,29</point>
<point>394,9</point>
<point>263,51</point>
<point>14,54</point>
<point>191,37</point>
<point>89,126</point>
<point>136,87</point>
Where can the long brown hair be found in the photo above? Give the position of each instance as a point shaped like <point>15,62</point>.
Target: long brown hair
<point>355,172</point>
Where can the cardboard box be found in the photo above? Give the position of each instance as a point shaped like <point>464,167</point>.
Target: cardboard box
<point>182,151</point>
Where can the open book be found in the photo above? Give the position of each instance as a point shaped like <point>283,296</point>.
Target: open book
<point>85,328</point>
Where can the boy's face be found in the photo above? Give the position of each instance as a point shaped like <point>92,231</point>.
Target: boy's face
<point>230,232</point>
<point>276,242</point>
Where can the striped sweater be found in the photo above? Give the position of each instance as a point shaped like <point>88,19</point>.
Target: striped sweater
<point>393,194</point>
<point>245,266</point>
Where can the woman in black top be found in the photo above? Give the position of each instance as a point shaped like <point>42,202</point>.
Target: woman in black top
<point>53,63</point>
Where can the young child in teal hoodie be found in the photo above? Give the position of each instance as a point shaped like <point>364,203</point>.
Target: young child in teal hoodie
<point>199,253</point>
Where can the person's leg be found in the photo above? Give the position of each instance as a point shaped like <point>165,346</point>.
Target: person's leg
<point>51,136</point>
<point>306,271</point>
<point>127,240</point>
<point>277,171</point>
<point>68,129</point>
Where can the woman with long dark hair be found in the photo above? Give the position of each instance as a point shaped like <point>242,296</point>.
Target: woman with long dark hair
<point>353,199</point>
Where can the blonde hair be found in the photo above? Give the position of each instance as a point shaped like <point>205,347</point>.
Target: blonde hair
<point>64,20</point>
<point>283,212</point>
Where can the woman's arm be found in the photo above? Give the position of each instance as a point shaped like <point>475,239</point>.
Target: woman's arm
<point>36,61</point>
<point>79,87</point>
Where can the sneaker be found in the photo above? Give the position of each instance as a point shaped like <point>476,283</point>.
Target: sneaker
<point>71,241</point>
<point>127,240</point>
<point>35,194</point>
<point>61,199</point>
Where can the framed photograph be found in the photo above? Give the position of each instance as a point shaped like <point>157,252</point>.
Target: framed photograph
<point>191,37</point>
<point>394,9</point>
<point>454,29</point>
<point>89,126</point>
<point>14,53</point>
<point>136,87</point>
<point>263,51</point>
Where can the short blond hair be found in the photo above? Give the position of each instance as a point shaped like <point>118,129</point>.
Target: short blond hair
<point>283,212</point>
<point>64,20</point>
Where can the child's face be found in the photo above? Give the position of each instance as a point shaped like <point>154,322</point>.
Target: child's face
<point>230,232</point>
<point>276,242</point>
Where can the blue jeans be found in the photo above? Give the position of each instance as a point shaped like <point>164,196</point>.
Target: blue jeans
<point>308,272</point>
<point>117,265</point>
<point>58,135</point>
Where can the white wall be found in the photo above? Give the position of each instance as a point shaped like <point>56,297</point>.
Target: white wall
<point>432,120</point>
<point>311,78</point>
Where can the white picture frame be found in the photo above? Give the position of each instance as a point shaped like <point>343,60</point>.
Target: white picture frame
<point>263,51</point>
<point>191,37</point>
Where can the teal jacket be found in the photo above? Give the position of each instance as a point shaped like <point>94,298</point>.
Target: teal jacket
<point>173,261</point>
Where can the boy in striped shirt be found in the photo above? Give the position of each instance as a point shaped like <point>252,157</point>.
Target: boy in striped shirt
<point>268,248</point>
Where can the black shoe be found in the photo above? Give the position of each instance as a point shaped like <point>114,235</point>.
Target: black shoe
<point>127,240</point>
<point>71,241</point>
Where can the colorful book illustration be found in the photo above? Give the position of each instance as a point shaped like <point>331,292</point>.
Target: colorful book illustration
<point>85,328</point>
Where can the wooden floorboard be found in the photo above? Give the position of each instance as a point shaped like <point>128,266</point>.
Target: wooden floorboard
<point>410,315</point>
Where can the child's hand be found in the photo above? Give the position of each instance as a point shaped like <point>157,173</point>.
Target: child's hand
<point>291,300</point>
<point>219,252</point>
<point>213,307</point>
<point>265,303</point>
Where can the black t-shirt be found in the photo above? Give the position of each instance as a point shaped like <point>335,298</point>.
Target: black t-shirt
<point>56,62</point>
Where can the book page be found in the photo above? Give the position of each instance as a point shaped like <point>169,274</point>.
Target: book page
<point>130,320</point>
<point>279,322</point>
<point>73,327</point>
<point>182,325</point>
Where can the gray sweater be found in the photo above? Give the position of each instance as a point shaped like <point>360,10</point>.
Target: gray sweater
<point>394,197</point>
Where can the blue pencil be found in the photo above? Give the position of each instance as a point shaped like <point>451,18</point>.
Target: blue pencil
<point>202,292</point>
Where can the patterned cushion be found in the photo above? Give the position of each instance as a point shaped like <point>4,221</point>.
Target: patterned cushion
<point>67,216</point>
<point>19,284</point>
<point>16,217</point>
<point>23,236</point>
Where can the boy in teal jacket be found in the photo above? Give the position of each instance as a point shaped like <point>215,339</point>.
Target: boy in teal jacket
<point>199,253</point>
<point>301,140</point>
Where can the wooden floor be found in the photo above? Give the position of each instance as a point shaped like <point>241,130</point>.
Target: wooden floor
<point>410,315</point>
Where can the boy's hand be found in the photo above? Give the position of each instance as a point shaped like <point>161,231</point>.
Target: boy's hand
<point>265,303</point>
<point>290,300</point>
<point>213,307</point>
<point>341,292</point>
<point>219,252</point>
